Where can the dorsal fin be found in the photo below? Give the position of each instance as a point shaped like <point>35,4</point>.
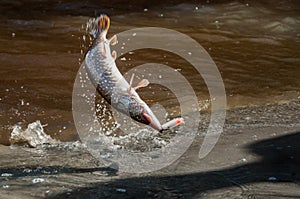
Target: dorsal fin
<point>98,26</point>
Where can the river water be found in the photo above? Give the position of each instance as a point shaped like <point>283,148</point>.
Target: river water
<point>255,45</point>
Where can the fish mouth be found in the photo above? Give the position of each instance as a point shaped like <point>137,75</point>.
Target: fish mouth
<point>140,112</point>
<point>152,120</point>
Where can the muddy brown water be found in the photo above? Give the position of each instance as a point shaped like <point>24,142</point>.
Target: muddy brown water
<point>255,45</point>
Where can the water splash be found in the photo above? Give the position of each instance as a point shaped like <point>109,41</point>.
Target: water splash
<point>34,135</point>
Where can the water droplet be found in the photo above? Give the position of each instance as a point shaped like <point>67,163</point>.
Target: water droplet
<point>189,53</point>
<point>134,34</point>
<point>121,190</point>
<point>27,170</point>
<point>13,34</point>
<point>272,178</point>
<point>5,186</point>
<point>145,10</point>
<point>38,180</point>
<point>6,174</point>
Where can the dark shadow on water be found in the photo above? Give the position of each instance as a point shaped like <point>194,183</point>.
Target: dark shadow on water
<point>280,159</point>
<point>54,170</point>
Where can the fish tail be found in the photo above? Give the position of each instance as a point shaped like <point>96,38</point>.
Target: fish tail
<point>98,25</point>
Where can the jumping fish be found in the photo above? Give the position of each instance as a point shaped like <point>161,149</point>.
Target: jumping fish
<point>102,70</point>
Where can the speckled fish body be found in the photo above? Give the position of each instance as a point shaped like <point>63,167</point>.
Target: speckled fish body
<point>102,70</point>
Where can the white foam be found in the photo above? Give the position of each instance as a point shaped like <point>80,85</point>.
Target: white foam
<point>38,180</point>
<point>34,135</point>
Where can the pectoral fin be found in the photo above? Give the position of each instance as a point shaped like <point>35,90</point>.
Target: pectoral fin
<point>113,40</point>
<point>130,83</point>
<point>142,84</point>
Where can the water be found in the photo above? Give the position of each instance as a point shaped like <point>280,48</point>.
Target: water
<point>255,44</point>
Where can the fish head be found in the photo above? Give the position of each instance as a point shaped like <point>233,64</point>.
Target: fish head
<point>141,112</point>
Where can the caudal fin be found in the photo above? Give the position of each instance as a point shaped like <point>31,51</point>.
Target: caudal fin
<point>98,25</point>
